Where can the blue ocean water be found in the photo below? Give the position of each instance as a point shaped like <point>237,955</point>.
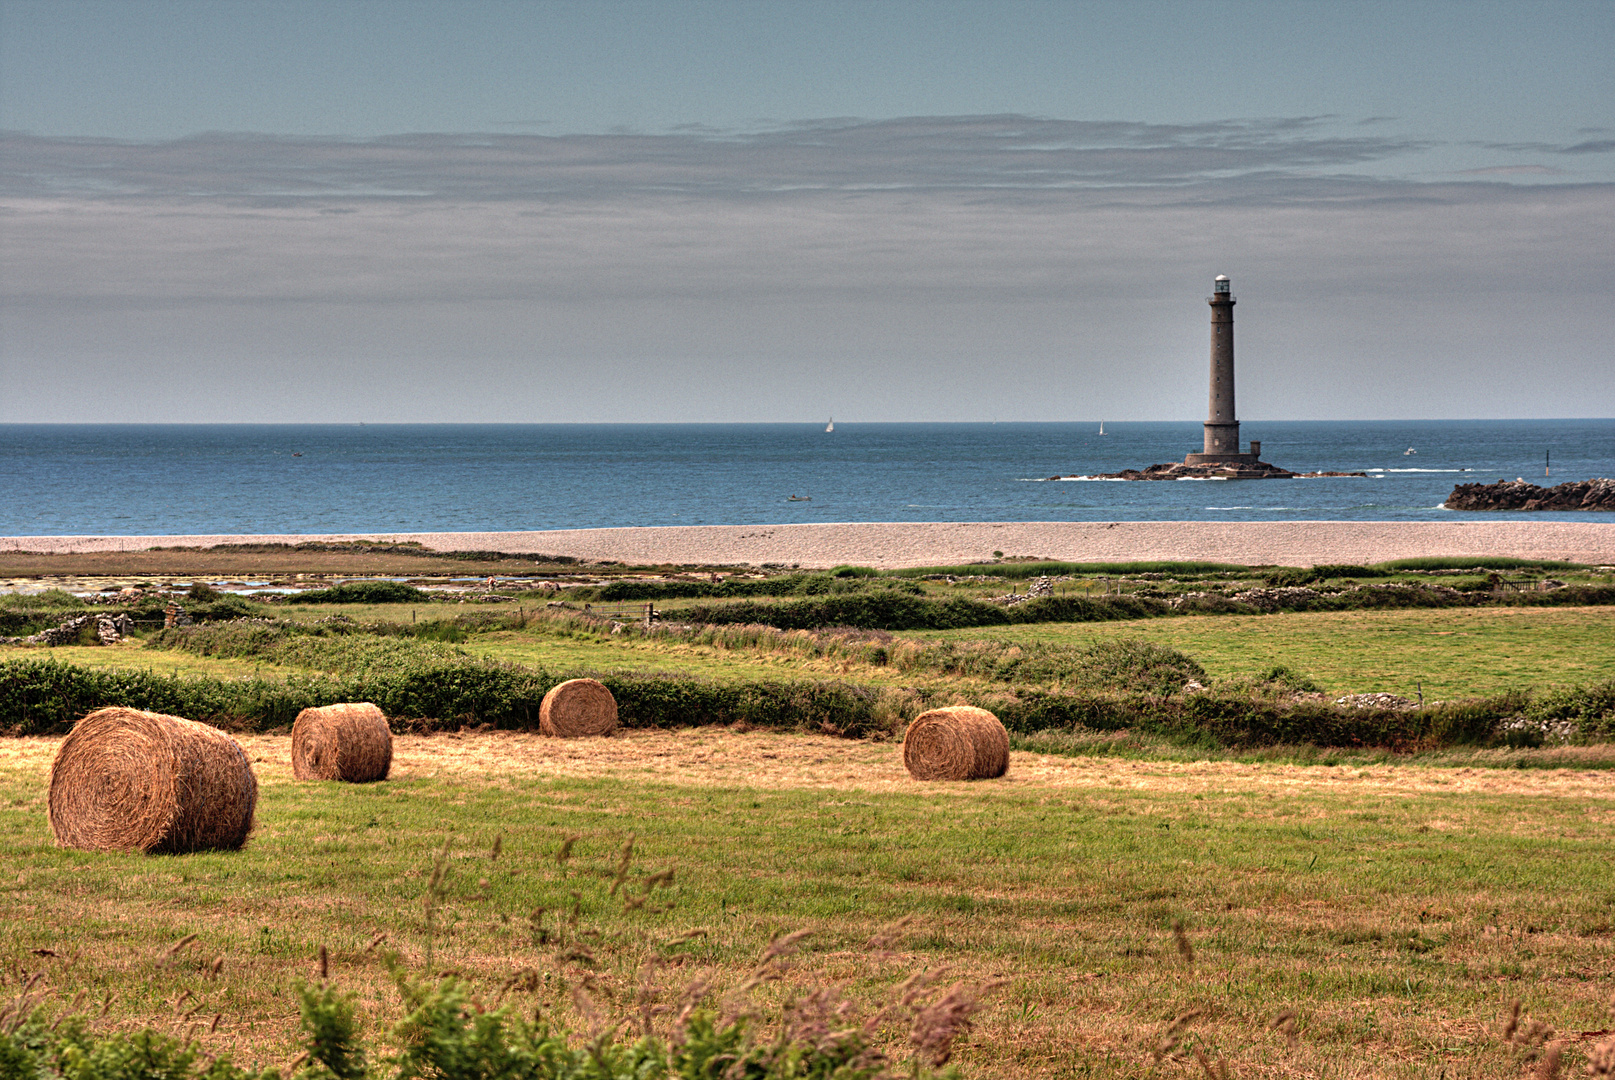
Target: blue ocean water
<point>176,479</point>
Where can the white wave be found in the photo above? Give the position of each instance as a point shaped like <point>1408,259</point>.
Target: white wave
<point>1230,508</point>
<point>1095,479</point>
<point>1419,470</point>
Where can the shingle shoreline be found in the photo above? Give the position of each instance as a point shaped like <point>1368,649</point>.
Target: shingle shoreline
<point>890,545</point>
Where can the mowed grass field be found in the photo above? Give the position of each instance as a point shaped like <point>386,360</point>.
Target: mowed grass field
<point>1396,911</point>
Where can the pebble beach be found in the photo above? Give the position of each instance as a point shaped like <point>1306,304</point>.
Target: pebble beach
<point>887,545</point>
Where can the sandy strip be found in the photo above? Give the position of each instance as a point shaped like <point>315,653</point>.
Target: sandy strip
<point>893,545</point>
<point>719,757</point>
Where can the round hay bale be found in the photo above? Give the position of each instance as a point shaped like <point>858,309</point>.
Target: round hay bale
<point>578,708</point>
<point>960,742</point>
<point>350,742</point>
<point>126,780</point>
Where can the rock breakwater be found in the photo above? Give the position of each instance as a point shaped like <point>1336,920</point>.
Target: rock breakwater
<point>1596,494</point>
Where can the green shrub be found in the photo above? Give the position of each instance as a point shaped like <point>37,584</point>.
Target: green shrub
<point>1291,680</point>
<point>803,584</point>
<point>362,592</point>
<point>1293,576</point>
<point>1051,568</point>
<point>46,600</point>
<point>1591,707</point>
<point>890,610</point>
<point>449,1034</point>
<point>1124,665</point>
<point>1476,562</point>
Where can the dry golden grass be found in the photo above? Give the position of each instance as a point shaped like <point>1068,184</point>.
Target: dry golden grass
<point>715,756</point>
<point>1290,921</point>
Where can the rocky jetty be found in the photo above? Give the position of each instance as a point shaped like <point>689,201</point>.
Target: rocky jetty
<point>1523,495</point>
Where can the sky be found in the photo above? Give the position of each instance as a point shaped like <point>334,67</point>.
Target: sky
<point>756,211</point>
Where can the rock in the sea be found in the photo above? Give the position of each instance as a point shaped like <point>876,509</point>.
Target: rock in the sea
<point>1523,495</point>
<point>1177,470</point>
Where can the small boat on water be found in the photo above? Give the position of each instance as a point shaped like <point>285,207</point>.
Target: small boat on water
<point>1409,452</point>
<point>800,498</point>
<point>831,426</point>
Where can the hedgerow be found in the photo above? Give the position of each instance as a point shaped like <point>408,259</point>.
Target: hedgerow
<point>899,611</point>
<point>802,584</point>
<point>47,697</point>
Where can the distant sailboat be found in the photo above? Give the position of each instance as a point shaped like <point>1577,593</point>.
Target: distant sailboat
<point>1101,427</point>
<point>831,426</point>
<point>1409,452</point>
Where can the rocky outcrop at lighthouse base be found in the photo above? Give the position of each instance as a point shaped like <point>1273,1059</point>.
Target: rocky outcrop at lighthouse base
<point>1177,470</point>
<point>1522,495</point>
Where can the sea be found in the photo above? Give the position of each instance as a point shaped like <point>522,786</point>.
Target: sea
<point>166,479</point>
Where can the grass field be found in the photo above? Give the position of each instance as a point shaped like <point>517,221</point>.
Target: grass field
<point>1443,653</point>
<point>1396,911</point>
<point>1453,652</point>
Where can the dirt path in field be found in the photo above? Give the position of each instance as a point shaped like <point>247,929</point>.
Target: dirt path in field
<point>723,758</point>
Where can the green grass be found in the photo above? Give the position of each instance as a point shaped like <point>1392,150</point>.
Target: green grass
<point>132,654</point>
<point>1452,653</point>
<point>1398,922</point>
<point>1464,652</point>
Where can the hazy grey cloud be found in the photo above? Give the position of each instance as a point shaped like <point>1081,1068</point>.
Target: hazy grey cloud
<point>1511,170</point>
<point>1591,146</point>
<point>986,154</point>
<point>744,275</point>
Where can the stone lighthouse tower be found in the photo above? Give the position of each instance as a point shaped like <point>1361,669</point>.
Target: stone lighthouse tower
<point>1222,425</point>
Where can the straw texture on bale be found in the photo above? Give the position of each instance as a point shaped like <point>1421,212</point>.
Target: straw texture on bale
<point>577,708</point>
<point>126,780</point>
<point>960,742</point>
<point>349,742</point>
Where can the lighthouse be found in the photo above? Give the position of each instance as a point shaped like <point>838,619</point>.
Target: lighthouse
<point>1222,424</point>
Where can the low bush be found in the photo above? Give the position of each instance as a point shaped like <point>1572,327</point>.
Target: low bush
<point>450,1034</point>
<point>362,592</point>
<point>46,600</point>
<point>841,580</point>
<point>888,610</point>
<point>1476,562</point>
<point>1591,708</point>
<point>1292,576</point>
<point>1051,568</point>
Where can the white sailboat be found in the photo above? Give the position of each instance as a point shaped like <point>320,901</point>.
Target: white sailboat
<point>831,426</point>
<point>1101,427</point>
